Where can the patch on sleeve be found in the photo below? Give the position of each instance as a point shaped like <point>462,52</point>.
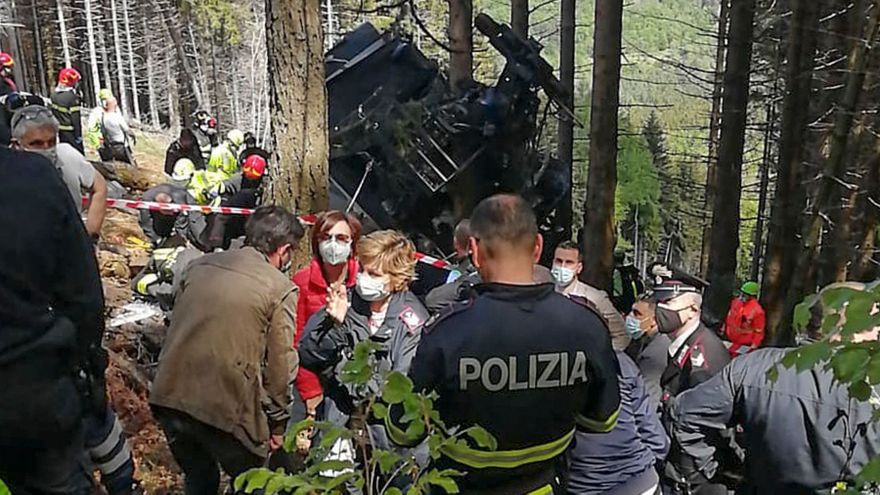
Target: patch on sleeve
<point>411,319</point>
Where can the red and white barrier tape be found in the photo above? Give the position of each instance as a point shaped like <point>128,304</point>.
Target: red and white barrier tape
<point>176,208</point>
<point>435,262</point>
<point>226,210</point>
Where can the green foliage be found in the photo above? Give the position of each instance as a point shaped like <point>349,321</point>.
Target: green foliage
<point>4,490</point>
<point>843,314</point>
<point>377,468</point>
<point>221,19</point>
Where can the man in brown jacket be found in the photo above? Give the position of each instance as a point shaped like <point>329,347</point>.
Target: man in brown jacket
<point>221,392</point>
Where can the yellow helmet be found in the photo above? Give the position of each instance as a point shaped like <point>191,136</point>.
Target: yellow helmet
<point>183,170</point>
<point>236,137</point>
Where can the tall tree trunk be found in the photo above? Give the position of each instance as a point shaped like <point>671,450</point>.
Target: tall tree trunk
<point>329,35</point>
<point>38,44</point>
<point>174,120</point>
<point>134,93</point>
<point>93,54</point>
<point>782,242</point>
<point>185,68</point>
<point>298,99</point>
<point>151,69</point>
<point>865,266</point>
<point>18,70</point>
<point>835,166</point>
<point>565,140</point>
<point>519,17</point>
<point>714,129</point>
<point>120,69</point>
<point>763,183</point>
<point>105,56</point>
<point>62,26</point>
<point>734,111</point>
<point>461,42</point>
<point>598,231</point>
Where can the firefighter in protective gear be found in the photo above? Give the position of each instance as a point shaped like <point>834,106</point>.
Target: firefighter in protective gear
<point>224,158</point>
<point>7,82</point>
<point>529,365</point>
<point>159,279</point>
<point>66,107</point>
<point>744,325</point>
<point>206,187</point>
<point>201,125</point>
<point>93,136</point>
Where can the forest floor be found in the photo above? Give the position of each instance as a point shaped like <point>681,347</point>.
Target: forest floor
<point>134,347</point>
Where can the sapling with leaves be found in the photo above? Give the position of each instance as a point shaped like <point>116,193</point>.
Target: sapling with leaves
<point>375,471</point>
<point>842,322</point>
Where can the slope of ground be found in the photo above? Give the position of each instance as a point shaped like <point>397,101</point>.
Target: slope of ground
<point>134,347</point>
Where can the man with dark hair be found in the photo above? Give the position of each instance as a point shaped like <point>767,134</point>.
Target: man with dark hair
<point>648,347</point>
<point>567,266</point>
<point>51,325</point>
<point>516,346</point>
<point>221,390</point>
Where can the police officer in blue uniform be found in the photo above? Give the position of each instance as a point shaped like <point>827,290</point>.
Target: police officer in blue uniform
<point>529,365</point>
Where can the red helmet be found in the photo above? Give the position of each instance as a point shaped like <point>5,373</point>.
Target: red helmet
<point>68,77</point>
<point>6,60</point>
<point>212,122</point>
<point>253,167</point>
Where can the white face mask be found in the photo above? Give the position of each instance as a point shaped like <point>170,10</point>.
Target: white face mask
<point>562,275</point>
<point>50,154</point>
<point>370,288</point>
<point>333,252</point>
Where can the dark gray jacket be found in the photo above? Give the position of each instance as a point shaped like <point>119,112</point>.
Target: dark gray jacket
<point>622,461</point>
<point>798,430</point>
<point>326,347</point>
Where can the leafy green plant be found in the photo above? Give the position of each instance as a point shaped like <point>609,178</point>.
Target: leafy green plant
<point>843,311</point>
<point>4,490</point>
<point>376,470</point>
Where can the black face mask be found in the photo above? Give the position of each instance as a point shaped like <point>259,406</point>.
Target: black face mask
<point>668,320</point>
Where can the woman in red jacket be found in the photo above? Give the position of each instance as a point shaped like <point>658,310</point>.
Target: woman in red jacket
<point>334,238</point>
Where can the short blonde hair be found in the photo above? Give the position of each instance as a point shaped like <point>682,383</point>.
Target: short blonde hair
<point>392,253</point>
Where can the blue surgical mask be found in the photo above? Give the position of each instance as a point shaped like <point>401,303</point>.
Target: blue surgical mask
<point>562,275</point>
<point>633,327</point>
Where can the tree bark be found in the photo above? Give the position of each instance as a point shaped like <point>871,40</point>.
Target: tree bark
<point>62,26</point>
<point>714,128</point>
<point>598,231</point>
<point>461,42</point>
<point>782,242</point>
<point>120,69</point>
<point>519,17</point>
<point>93,54</point>
<point>174,29</point>
<point>105,56</point>
<point>298,178</point>
<point>865,266</point>
<point>565,139</point>
<point>151,69</point>
<point>835,166</point>
<point>134,93</point>
<point>734,111</point>
<point>38,44</point>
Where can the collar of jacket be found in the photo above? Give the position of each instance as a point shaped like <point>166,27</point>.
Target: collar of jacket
<point>316,274</point>
<point>510,292</point>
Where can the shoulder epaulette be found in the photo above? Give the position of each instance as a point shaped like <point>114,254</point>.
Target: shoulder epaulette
<point>456,308</point>
<point>586,303</point>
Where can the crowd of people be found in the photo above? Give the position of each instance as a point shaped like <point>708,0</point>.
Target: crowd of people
<point>585,392</point>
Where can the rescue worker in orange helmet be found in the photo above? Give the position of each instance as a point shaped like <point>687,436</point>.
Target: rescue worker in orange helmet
<point>66,107</point>
<point>744,325</point>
